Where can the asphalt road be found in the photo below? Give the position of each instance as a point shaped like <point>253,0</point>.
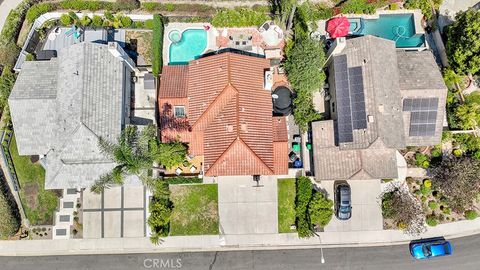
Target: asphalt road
<point>466,257</point>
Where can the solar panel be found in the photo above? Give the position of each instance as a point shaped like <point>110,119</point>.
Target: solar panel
<point>344,113</point>
<point>423,116</point>
<point>357,98</point>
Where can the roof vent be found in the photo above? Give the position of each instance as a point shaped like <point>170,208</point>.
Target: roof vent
<point>243,127</point>
<point>370,118</point>
<point>229,128</point>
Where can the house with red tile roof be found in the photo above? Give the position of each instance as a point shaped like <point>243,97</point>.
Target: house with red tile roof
<point>218,106</point>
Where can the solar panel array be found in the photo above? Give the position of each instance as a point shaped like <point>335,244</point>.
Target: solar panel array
<point>350,99</point>
<point>423,115</point>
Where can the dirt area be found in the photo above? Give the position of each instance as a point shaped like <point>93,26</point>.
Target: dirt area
<point>140,42</point>
<point>31,193</point>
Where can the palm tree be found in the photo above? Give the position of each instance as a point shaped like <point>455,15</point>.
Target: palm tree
<point>130,153</point>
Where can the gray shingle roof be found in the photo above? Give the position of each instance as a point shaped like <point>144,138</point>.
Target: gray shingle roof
<point>377,57</point>
<point>333,163</point>
<point>389,76</point>
<point>82,97</point>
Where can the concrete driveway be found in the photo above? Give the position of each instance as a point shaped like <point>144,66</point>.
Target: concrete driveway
<point>245,209</point>
<point>117,212</point>
<point>366,211</point>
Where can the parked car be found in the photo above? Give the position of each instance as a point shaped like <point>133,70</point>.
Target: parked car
<point>343,202</point>
<point>429,248</point>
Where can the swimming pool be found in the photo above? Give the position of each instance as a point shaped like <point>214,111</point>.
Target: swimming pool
<point>397,27</point>
<point>191,45</point>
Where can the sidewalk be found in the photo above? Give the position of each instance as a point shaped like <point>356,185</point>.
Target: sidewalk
<point>228,242</point>
<point>5,7</point>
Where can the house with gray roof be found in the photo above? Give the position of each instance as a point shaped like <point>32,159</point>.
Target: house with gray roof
<point>61,107</point>
<point>381,99</point>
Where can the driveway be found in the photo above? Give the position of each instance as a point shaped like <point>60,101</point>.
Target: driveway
<point>117,212</point>
<point>246,209</point>
<point>366,211</point>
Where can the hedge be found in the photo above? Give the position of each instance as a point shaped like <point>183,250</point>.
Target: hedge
<point>303,197</point>
<point>10,222</point>
<point>157,44</point>
<point>158,7</point>
<point>37,10</point>
<point>183,180</point>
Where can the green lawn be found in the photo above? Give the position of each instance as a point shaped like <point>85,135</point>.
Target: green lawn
<point>39,204</point>
<point>195,209</point>
<point>286,204</point>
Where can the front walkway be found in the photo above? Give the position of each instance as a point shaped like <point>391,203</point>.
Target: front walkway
<point>245,208</point>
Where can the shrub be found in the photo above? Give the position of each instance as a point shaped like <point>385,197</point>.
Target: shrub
<point>86,5</point>
<point>303,197</point>
<point>74,231</point>
<point>85,21</point>
<point>417,192</point>
<point>159,219</point>
<point>109,16</point>
<point>423,199</point>
<point>97,21</point>
<point>446,211</point>
<point>8,53</point>
<point>358,7</point>
<point>66,20</point>
<point>183,180</point>
<point>427,183</point>
<point>457,152</point>
<point>148,24</point>
<point>10,222</point>
<point>422,160</point>
<point>126,21</point>
<point>37,10</point>
<point>471,214</point>
<point>239,17</point>
<point>157,44</point>
<point>431,221</point>
<point>320,210</point>
<point>432,205</point>
<point>393,6</point>
<point>436,152</point>
<point>127,4</point>
<point>425,190</point>
<point>138,24</point>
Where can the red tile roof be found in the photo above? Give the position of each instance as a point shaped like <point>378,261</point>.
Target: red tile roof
<point>230,114</point>
<point>173,82</point>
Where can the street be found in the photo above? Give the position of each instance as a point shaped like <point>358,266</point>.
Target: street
<point>372,258</point>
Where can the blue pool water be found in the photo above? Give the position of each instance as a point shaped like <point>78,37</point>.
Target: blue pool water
<point>397,27</point>
<point>191,46</point>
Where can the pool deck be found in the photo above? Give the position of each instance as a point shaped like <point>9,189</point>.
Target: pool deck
<point>218,38</point>
<point>417,19</point>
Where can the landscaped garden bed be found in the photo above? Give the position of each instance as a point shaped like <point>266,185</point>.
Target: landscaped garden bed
<point>39,204</point>
<point>195,209</point>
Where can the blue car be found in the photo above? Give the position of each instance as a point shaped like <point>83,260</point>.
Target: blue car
<point>430,248</point>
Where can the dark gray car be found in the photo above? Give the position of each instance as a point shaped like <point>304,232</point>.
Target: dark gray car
<point>343,203</point>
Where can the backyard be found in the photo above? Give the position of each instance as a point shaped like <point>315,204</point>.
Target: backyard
<point>195,210</point>
<point>39,204</point>
<point>140,41</point>
<point>286,204</point>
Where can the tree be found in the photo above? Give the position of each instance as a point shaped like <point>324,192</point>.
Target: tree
<point>459,181</point>
<point>405,211</point>
<point>320,209</point>
<point>425,5</point>
<point>463,42</point>
<point>85,20</point>
<point>304,68</point>
<point>168,154</point>
<point>468,114</point>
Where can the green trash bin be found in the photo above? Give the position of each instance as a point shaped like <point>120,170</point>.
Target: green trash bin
<point>296,147</point>
<point>309,146</point>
